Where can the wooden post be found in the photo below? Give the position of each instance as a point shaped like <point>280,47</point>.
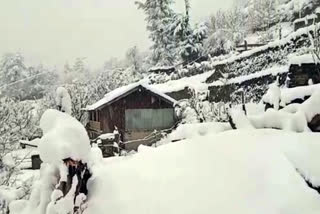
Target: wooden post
<point>243,103</point>
<point>245,45</point>
<point>117,138</point>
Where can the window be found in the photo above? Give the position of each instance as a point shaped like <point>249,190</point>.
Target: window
<point>95,116</point>
<point>149,119</point>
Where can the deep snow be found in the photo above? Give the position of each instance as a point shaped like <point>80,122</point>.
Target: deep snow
<point>232,172</point>
<point>214,171</point>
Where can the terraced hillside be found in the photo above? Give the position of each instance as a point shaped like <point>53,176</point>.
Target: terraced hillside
<point>250,71</point>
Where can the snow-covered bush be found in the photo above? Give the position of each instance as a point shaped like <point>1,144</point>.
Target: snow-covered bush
<point>197,110</point>
<point>63,137</point>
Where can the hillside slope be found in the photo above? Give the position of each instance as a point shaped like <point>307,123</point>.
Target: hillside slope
<point>251,71</point>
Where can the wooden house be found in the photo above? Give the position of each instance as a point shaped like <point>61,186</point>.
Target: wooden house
<point>136,110</point>
<point>307,21</point>
<point>303,69</point>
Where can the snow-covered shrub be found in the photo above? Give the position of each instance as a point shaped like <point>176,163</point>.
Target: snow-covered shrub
<point>196,110</point>
<point>64,137</point>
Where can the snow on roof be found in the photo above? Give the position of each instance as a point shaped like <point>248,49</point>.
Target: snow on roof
<point>33,143</point>
<point>318,10</point>
<point>303,59</point>
<point>20,158</point>
<point>113,95</point>
<point>196,82</point>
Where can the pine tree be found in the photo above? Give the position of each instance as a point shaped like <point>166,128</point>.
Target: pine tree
<point>189,41</point>
<point>79,66</point>
<point>160,17</point>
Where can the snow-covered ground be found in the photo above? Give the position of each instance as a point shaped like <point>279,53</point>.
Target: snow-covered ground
<point>245,172</point>
<point>214,171</point>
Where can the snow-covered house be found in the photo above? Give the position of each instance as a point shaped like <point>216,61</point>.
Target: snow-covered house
<point>136,110</point>
<point>303,70</point>
<point>307,21</point>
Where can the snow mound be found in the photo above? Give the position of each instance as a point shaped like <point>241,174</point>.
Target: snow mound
<point>246,172</point>
<point>192,130</point>
<point>64,137</point>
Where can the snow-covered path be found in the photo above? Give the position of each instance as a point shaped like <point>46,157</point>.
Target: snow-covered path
<point>239,172</point>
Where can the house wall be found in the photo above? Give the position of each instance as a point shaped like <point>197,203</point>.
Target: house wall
<point>300,74</point>
<point>114,114</point>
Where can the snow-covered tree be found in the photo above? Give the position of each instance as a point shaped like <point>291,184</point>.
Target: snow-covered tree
<point>17,121</point>
<point>12,71</point>
<point>12,68</point>
<point>24,82</point>
<point>78,71</point>
<point>225,30</point>
<point>134,59</point>
<point>79,66</point>
<point>82,95</point>
<point>159,17</point>
<point>261,14</point>
<point>315,44</point>
<point>63,100</point>
<point>235,24</point>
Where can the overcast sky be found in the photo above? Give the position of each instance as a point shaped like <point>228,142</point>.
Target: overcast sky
<point>55,31</point>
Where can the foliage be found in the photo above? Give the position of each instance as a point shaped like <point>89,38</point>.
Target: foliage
<point>21,82</point>
<point>315,44</point>
<point>225,31</point>
<point>159,18</point>
<point>134,58</point>
<point>262,14</point>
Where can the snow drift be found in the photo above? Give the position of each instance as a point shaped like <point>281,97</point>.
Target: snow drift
<point>232,172</point>
<point>243,171</point>
<point>64,137</point>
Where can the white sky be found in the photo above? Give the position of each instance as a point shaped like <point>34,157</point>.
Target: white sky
<point>55,31</point>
